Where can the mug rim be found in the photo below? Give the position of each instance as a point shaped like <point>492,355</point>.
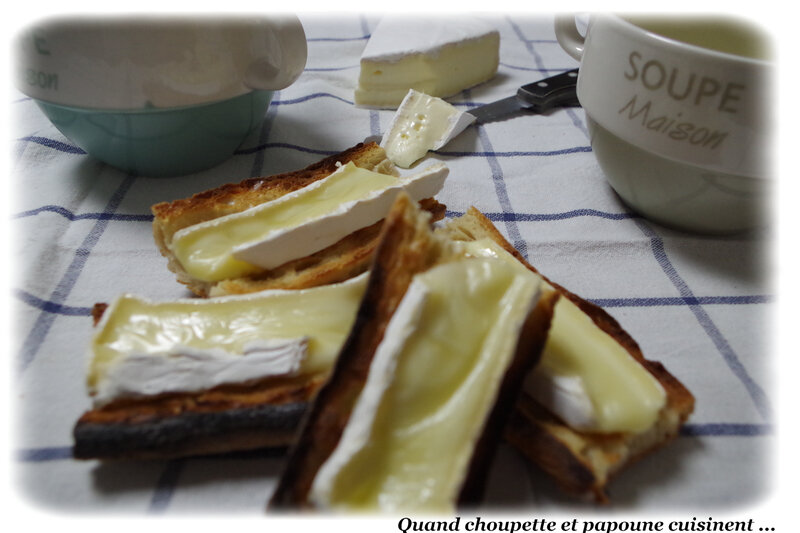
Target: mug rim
<point>693,48</point>
<point>269,53</point>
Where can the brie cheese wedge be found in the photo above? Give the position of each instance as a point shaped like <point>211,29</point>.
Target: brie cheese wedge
<point>422,123</point>
<point>436,56</point>
<point>142,347</point>
<point>297,224</point>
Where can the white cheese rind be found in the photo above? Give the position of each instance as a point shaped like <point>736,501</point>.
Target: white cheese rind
<point>439,57</point>
<point>422,123</point>
<point>564,396</point>
<point>279,247</point>
<point>395,38</point>
<point>186,369</point>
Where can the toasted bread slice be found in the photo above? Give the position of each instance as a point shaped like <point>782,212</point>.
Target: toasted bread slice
<point>407,250</point>
<point>141,415</point>
<point>342,260</point>
<point>581,462</point>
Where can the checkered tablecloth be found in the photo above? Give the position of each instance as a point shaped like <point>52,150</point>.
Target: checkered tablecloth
<point>700,305</point>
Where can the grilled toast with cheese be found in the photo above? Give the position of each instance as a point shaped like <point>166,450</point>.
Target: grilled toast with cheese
<point>581,461</point>
<point>198,376</point>
<point>341,260</point>
<point>419,394</point>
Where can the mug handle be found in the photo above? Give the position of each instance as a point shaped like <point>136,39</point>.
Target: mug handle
<point>568,36</point>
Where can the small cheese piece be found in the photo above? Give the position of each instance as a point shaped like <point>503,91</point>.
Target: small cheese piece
<point>436,56</point>
<point>422,123</point>
<point>297,224</point>
<point>277,332</point>
<point>432,382</point>
<point>585,377</point>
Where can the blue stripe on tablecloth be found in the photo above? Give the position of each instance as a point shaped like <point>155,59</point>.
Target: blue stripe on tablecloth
<point>493,216</point>
<point>266,129</point>
<point>38,333</point>
<point>51,307</point>
<point>726,430</point>
<point>573,115</point>
<point>712,429</point>
<point>330,69</point>
<point>497,173</point>
<point>546,217</point>
<point>165,486</point>
<point>755,392</point>
<point>518,153</point>
<point>312,96</point>
<point>40,455</point>
<point>752,299</point>
<point>69,215</point>
<point>374,117</point>
<point>527,42</point>
<point>338,39</point>
<point>375,130</point>
<point>502,193</point>
<point>53,144</point>
<point>303,149</point>
<point>536,41</point>
<point>540,70</point>
<point>577,122</point>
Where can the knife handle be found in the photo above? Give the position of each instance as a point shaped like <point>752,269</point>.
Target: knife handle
<point>545,94</point>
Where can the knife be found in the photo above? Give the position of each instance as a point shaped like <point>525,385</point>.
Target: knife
<point>537,97</point>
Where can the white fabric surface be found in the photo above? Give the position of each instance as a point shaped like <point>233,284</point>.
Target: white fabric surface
<point>700,305</point>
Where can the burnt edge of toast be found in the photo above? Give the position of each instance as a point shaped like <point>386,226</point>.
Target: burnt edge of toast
<point>258,414</point>
<point>406,248</point>
<point>222,419</point>
<point>192,433</point>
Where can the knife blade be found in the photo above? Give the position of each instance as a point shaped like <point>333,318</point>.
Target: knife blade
<point>537,97</point>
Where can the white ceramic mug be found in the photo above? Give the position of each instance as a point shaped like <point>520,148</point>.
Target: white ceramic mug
<point>678,116</point>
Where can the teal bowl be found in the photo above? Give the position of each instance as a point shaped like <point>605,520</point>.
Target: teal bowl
<point>162,142</point>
